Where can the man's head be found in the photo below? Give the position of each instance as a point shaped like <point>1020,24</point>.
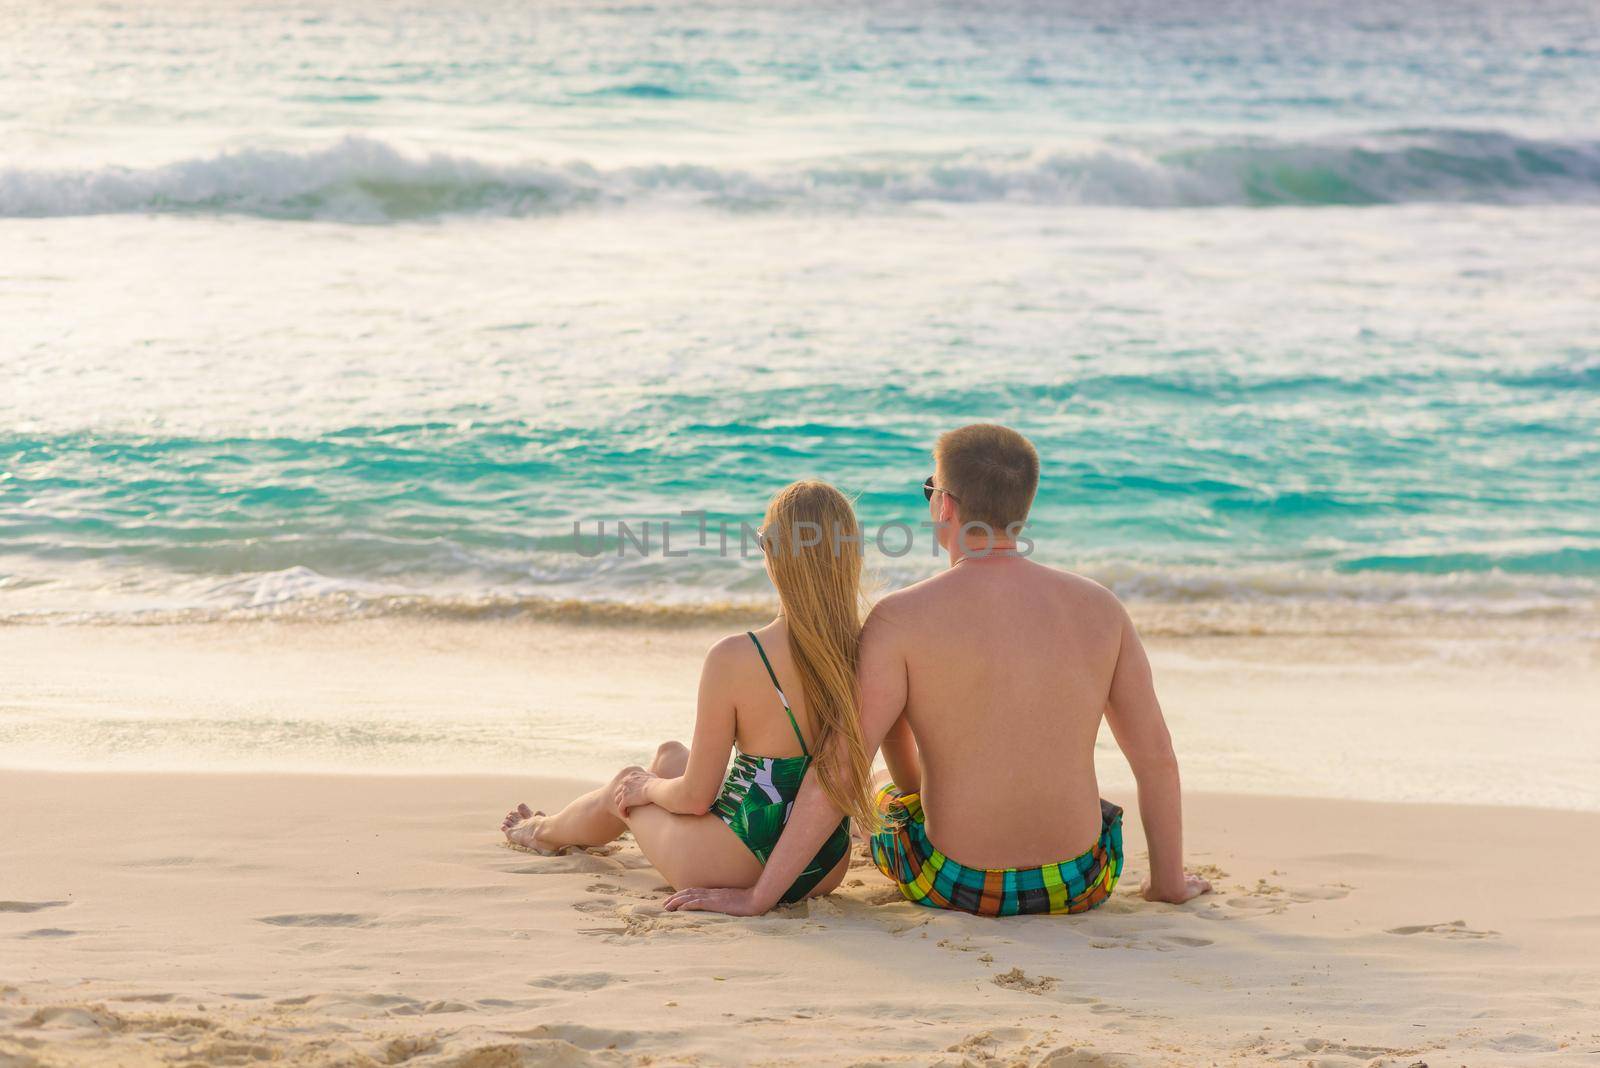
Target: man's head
<point>985,474</point>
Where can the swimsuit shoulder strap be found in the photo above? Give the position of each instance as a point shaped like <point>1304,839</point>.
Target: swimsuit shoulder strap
<point>773,675</point>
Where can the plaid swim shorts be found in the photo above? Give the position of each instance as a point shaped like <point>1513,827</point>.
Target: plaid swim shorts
<point>927,877</point>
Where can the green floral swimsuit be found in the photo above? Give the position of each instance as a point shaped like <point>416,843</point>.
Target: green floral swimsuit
<point>758,793</point>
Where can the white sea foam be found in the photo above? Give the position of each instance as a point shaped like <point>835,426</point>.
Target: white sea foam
<point>361,179</point>
<point>1181,600</point>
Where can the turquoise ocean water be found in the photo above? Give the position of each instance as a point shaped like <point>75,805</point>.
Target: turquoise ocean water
<point>335,308</point>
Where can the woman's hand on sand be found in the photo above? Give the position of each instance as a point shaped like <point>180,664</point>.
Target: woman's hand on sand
<point>734,902</point>
<point>1193,886</point>
<point>630,790</point>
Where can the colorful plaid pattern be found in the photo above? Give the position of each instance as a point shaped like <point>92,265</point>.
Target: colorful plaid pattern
<point>928,877</point>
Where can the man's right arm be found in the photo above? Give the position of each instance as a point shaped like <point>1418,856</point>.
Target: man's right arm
<point>1140,729</point>
<point>900,754</point>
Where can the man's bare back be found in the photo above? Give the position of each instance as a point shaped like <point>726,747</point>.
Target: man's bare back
<point>1008,667</point>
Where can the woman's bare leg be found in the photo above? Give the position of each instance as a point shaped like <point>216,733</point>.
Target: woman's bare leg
<point>830,882</point>
<point>671,760</point>
<point>702,851</point>
<point>692,850</point>
<point>590,819</point>
<point>686,850</point>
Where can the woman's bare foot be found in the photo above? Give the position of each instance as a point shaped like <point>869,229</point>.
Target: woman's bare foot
<point>516,816</point>
<point>521,828</point>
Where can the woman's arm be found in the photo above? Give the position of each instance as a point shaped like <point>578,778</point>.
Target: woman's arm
<point>694,792</point>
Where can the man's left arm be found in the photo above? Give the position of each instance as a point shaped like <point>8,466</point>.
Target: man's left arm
<point>882,678</point>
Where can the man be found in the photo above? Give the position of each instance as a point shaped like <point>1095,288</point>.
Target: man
<point>985,686</point>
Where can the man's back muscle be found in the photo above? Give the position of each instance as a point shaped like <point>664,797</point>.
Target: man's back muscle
<point>1008,666</point>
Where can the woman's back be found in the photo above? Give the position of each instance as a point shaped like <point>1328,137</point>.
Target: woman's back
<point>761,726</point>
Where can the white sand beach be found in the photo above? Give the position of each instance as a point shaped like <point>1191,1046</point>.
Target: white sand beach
<point>170,917</point>
<point>207,919</point>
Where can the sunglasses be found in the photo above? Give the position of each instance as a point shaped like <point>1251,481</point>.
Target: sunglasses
<point>929,489</point>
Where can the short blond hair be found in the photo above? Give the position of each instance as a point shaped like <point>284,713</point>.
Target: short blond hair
<point>992,472</point>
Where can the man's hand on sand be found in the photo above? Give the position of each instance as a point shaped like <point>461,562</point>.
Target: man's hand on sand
<point>1193,886</point>
<point>731,901</point>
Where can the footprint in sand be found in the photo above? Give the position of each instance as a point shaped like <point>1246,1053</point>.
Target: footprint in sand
<point>986,1046</point>
<point>1270,899</point>
<point>1256,904</point>
<point>400,1050</point>
<point>578,981</point>
<point>1341,1049</point>
<point>74,1017</point>
<point>571,864</point>
<point>878,895</point>
<point>1068,1057</point>
<point>164,862</point>
<point>48,932</point>
<point>1377,861</point>
<point>1185,940</point>
<point>316,919</point>
<point>1453,929</point>
<point>584,1038</point>
<point>623,891</point>
<point>371,1006</point>
<point>1015,979</point>
<point>644,920</point>
<point>1330,892</point>
<point>593,851</point>
<point>31,906</point>
<point>1523,1042</point>
<point>1114,943</point>
<point>1159,943</point>
<point>429,1008</point>
<point>155,999</point>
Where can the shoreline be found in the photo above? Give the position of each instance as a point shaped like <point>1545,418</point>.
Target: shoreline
<point>1263,615</point>
<point>578,784</point>
<point>374,919</point>
<point>1508,719</point>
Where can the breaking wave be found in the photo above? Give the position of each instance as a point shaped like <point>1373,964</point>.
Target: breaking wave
<point>360,179</point>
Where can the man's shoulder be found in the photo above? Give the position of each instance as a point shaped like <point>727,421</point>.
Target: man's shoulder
<point>901,612</point>
<point>935,592</point>
<point>1094,607</point>
<point>1093,594</point>
<point>898,604</point>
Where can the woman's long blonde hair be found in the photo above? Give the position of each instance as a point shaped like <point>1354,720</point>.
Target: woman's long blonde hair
<point>813,546</point>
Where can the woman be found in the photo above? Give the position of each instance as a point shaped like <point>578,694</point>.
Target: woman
<point>786,691</point>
